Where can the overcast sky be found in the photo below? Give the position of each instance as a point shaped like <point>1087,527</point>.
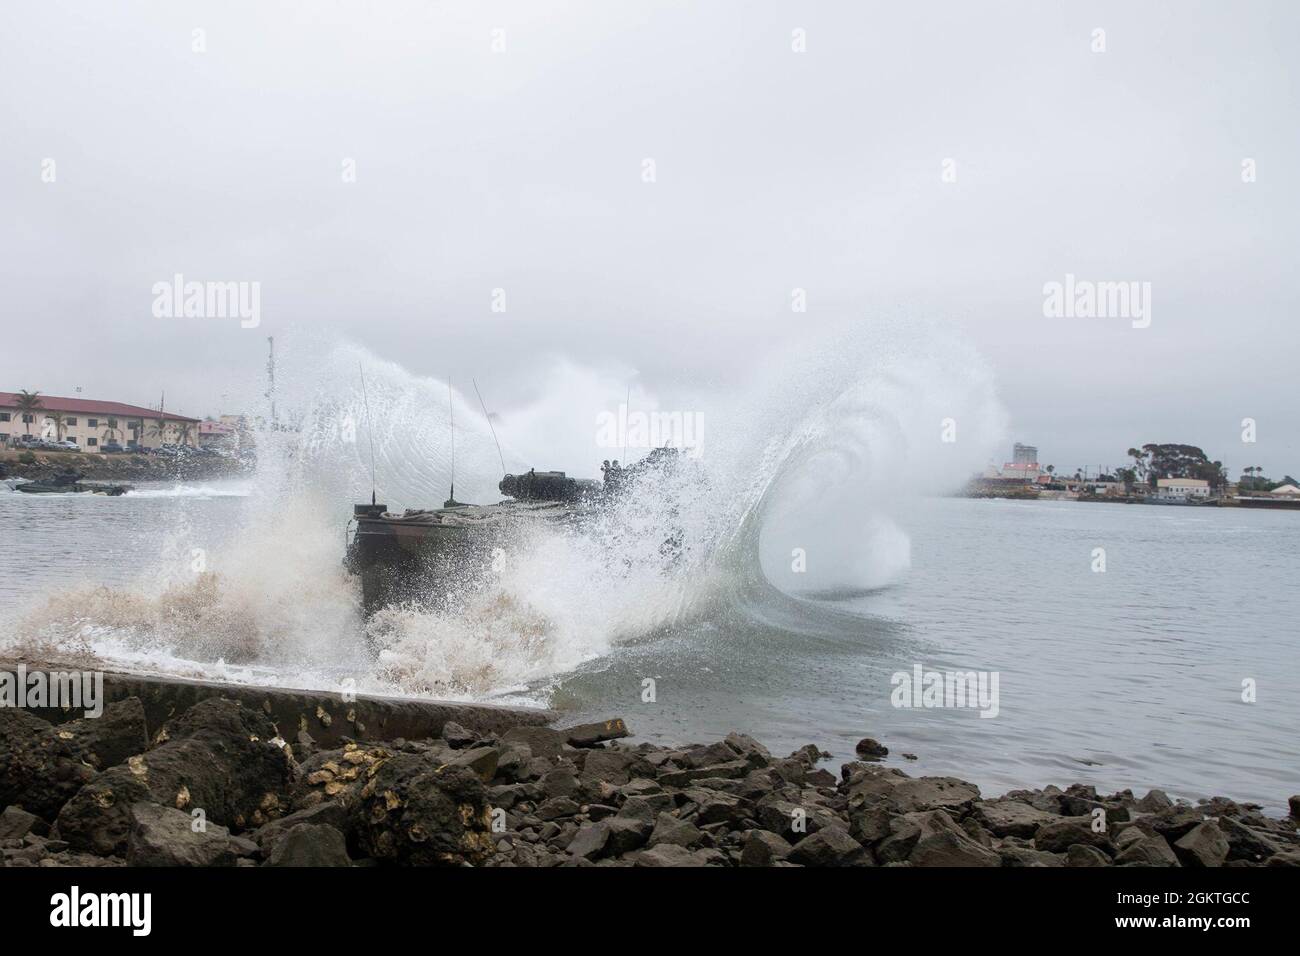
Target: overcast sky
<point>774,169</point>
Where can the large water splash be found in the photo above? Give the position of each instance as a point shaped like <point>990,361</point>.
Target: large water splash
<point>813,455</point>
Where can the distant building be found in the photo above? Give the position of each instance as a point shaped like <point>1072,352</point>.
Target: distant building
<point>1024,454</point>
<point>91,423</point>
<point>1023,471</point>
<point>218,435</point>
<point>1182,488</point>
<point>1286,491</point>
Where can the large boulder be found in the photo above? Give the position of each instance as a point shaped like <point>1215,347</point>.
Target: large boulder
<point>218,757</point>
<point>1203,845</point>
<point>829,846</point>
<point>310,844</point>
<point>161,836</point>
<point>1059,836</point>
<point>1005,818</point>
<point>906,794</point>
<point>416,812</point>
<point>43,765</point>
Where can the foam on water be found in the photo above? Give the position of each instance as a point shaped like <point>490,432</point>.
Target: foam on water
<point>813,452</point>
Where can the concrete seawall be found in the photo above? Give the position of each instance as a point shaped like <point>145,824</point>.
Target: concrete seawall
<point>326,716</point>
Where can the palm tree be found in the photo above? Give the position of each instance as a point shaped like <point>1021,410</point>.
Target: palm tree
<point>185,432</point>
<point>27,403</point>
<point>59,423</point>
<point>159,428</point>
<point>110,434</point>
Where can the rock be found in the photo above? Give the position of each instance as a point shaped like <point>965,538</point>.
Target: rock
<point>1245,843</point>
<point>457,736</point>
<point>748,747</point>
<point>1203,845</point>
<point>16,823</point>
<point>792,820</point>
<point>1176,821</point>
<point>830,846</point>
<point>590,841</point>
<point>481,760</point>
<point>43,765</point>
<point>1026,857</point>
<point>670,829</point>
<point>626,834</point>
<point>1154,802</point>
<point>163,836</point>
<point>557,808</point>
<point>1012,818</point>
<point>1293,803</point>
<point>414,812</point>
<point>1288,858</point>
<point>870,823</point>
<point>908,794</point>
<point>716,807</point>
<point>329,813</point>
<point>309,844</point>
<point>763,848</point>
<point>1148,850</point>
<point>670,855</point>
<point>219,757</point>
<point>870,749</point>
<point>588,735</point>
<point>731,770</point>
<point>542,741</point>
<point>606,766</point>
<point>1080,855</point>
<point>1060,836</point>
<point>941,842</point>
<point>559,782</point>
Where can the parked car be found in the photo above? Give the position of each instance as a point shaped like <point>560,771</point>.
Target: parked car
<point>111,448</point>
<point>66,445</point>
<point>28,441</point>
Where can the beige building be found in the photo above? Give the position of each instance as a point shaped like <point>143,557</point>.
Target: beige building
<point>1182,488</point>
<point>91,424</point>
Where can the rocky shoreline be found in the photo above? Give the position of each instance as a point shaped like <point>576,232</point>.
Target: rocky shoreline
<point>217,785</point>
<point>96,467</point>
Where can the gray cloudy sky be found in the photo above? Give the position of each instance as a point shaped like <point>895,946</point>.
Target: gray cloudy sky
<point>775,170</point>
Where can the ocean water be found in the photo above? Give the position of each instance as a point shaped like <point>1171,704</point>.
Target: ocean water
<point>1131,677</point>
<point>815,555</point>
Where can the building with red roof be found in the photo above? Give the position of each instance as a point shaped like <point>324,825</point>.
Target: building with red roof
<point>91,423</point>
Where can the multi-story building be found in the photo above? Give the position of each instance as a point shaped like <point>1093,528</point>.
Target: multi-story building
<point>1024,454</point>
<point>91,423</point>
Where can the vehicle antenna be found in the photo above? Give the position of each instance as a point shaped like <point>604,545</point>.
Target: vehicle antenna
<point>370,431</point>
<point>451,416</point>
<point>627,410</point>
<point>494,431</point>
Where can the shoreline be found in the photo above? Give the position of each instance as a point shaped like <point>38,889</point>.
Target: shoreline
<point>119,467</point>
<point>123,789</point>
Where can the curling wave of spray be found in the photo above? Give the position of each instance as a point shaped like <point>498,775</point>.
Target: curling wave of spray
<point>813,455</point>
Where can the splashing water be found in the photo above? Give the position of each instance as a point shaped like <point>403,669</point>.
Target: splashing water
<point>815,453</point>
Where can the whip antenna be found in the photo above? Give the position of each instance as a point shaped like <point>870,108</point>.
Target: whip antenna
<point>627,412</point>
<point>370,432</point>
<point>451,426</point>
<point>494,431</point>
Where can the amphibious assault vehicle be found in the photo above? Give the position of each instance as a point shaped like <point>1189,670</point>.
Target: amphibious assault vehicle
<point>417,554</point>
